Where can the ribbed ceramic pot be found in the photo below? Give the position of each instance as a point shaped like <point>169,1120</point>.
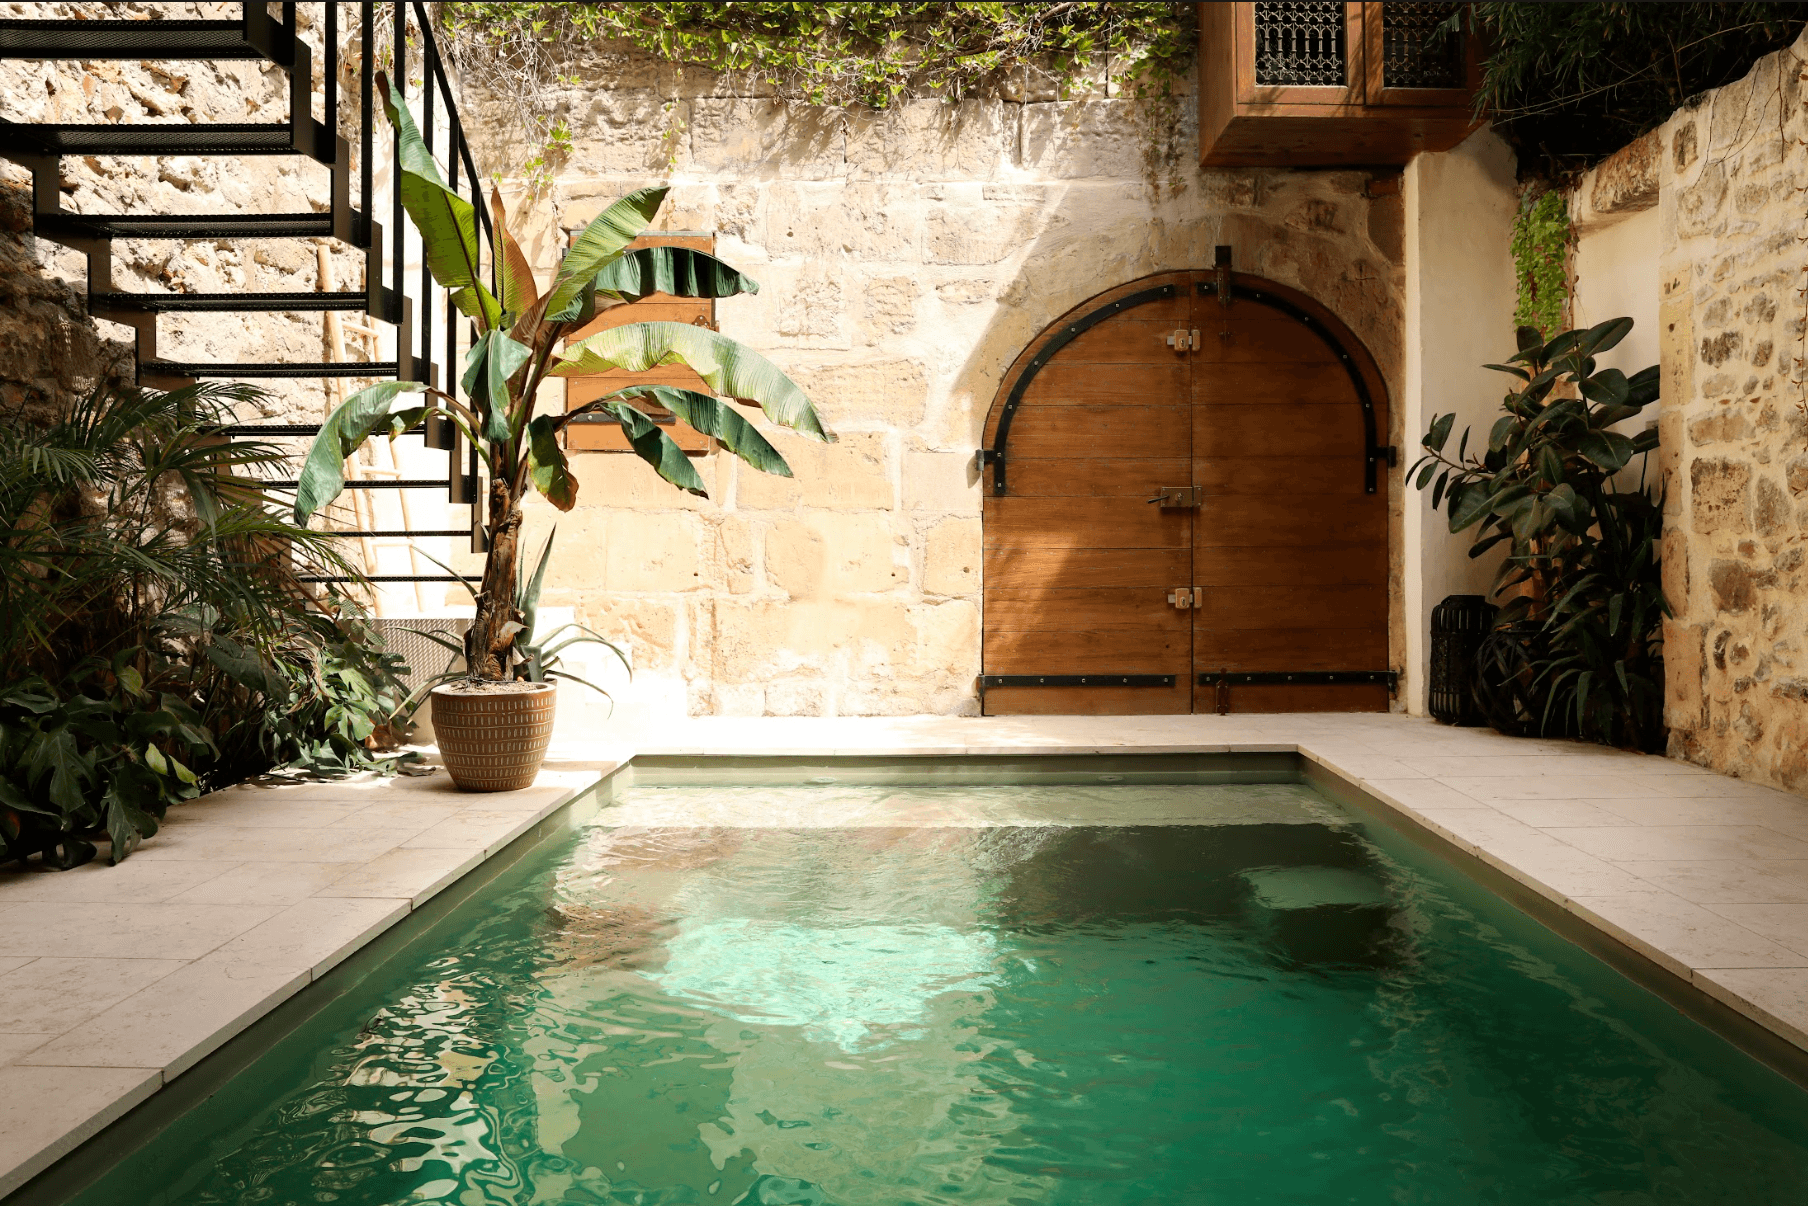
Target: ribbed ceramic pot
<point>493,741</point>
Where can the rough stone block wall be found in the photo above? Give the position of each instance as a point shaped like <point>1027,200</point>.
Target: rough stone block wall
<point>905,258</point>
<point>1734,431</point>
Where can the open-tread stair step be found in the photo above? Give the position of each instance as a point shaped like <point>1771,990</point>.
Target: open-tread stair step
<point>183,226</point>
<point>321,368</point>
<point>189,303</point>
<point>155,138</point>
<point>33,39</point>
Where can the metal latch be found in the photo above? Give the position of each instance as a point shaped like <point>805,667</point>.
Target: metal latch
<point>1184,597</point>
<point>1179,496</point>
<point>1181,339</point>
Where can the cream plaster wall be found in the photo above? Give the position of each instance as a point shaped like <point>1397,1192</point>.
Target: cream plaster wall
<point>1459,313</point>
<point>905,259</point>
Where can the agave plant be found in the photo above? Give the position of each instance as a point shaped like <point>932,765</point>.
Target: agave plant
<point>518,347</point>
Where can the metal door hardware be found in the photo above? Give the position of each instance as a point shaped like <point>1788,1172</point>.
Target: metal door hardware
<point>1179,496</point>
<point>1185,597</point>
<point>1182,340</point>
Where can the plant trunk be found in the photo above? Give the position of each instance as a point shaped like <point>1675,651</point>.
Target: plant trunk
<point>488,643</point>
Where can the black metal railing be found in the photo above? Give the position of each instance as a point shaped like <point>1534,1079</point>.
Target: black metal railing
<point>384,296</point>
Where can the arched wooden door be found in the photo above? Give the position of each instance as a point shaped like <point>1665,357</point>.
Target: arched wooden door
<point>1259,582</point>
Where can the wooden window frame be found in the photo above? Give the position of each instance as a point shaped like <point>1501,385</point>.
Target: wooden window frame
<point>1379,95</point>
<point>1310,99</point>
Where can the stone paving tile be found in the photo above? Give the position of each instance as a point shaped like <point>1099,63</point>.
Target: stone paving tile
<point>1714,882</point>
<point>111,931</point>
<point>1574,787</point>
<point>1513,766</point>
<point>1648,843</point>
<point>174,1023</point>
<point>1560,814</point>
<point>257,813</point>
<point>405,874</point>
<point>45,1113</point>
<point>265,883</point>
<point>135,879</point>
<point>55,994</point>
<point>13,1044</point>
<point>218,843</point>
<point>1789,817</point>
<point>1422,793</point>
<point>315,934</point>
<point>1683,935</point>
<point>1776,997</point>
<point>474,829</point>
<point>1781,923</point>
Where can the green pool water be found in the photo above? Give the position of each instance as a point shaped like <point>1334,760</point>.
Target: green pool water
<point>1257,1000</point>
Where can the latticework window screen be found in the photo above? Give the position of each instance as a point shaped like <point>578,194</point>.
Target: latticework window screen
<point>1301,45</point>
<point>1414,52</point>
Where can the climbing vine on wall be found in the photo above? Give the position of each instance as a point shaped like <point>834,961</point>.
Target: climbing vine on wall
<point>839,55</point>
<point>1540,253</point>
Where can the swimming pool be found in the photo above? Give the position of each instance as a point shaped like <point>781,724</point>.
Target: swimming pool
<point>1072,992</point>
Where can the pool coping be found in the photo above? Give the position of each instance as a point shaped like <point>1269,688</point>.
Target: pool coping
<point>262,889</point>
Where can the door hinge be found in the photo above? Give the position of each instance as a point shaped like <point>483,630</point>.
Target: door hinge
<point>1182,340</point>
<point>1185,597</point>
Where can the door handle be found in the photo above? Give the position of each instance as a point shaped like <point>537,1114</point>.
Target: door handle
<point>1179,497</point>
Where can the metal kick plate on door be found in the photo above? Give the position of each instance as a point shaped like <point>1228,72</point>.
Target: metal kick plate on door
<point>1180,496</point>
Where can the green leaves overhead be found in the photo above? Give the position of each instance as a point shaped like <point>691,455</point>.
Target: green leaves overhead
<point>358,418</point>
<point>519,291</point>
<point>447,222</point>
<point>654,446</point>
<point>712,417</point>
<point>730,369</point>
<point>607,234</point>
<point>678,271</point>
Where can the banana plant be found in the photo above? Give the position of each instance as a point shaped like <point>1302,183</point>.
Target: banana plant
<point>517,347</point>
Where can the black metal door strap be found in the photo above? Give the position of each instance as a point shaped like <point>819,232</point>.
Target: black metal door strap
<point>988,681</point>
<point>1373,452</point>
<point>994,456</point>
<point>1300,678</point>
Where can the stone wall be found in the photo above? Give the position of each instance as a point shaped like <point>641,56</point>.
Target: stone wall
<point>905,258</point>
<point>1735,437</point>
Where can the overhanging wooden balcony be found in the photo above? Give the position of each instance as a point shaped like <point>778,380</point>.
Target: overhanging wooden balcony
<point>1331,84</point>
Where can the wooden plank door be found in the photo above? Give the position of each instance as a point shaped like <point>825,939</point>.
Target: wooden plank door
<point>1078,563</point>
<point>1289,546</point>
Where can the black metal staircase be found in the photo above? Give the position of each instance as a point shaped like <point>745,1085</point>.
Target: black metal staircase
<point>261,36</point>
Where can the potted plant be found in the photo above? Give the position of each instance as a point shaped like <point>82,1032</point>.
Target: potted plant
<point>1578,643</point>
<point>519,331</point>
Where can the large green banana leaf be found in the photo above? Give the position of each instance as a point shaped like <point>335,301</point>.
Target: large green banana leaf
<point>489,364</point>
<point>359,417</point>
<point>546,463</point>
<point>730,368</point>
<point>712,417</point>
<point>519,291</point>
<point>678,271</point>
<point>607,234</point>
<point>447,222</point>
<point>653,445</point>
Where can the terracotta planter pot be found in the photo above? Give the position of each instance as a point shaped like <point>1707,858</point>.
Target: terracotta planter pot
<point>493,741</point>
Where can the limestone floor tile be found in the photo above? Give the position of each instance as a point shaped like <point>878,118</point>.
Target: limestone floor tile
<point>1363,762</point>
<point>1650,843</point>
<point>1556,869</point>
<point>46,1112</point>
<point>1783,923</point>
<point>175,1022</point>
<point>265,883</point>
<point>1683,935</point>
<point>255,813</point>
<point>56,994</point>
<point>13,1044</point>
<point>1415,794</point>
<point>1776,997</point>
<point>111,931</point>
<point>1560,814</point>
<point>11,961</point>
<point>1789,817</point>
<point>410,815</point>
<point>227,843</point>
<point>1513,766</point>
<point>1558,786</point>
<point>473,829</point>
<point>406,874</point>
<point>1473,827</point>
<point>313,935</point>
<point>1714,882</point>
<point>136,879</point>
